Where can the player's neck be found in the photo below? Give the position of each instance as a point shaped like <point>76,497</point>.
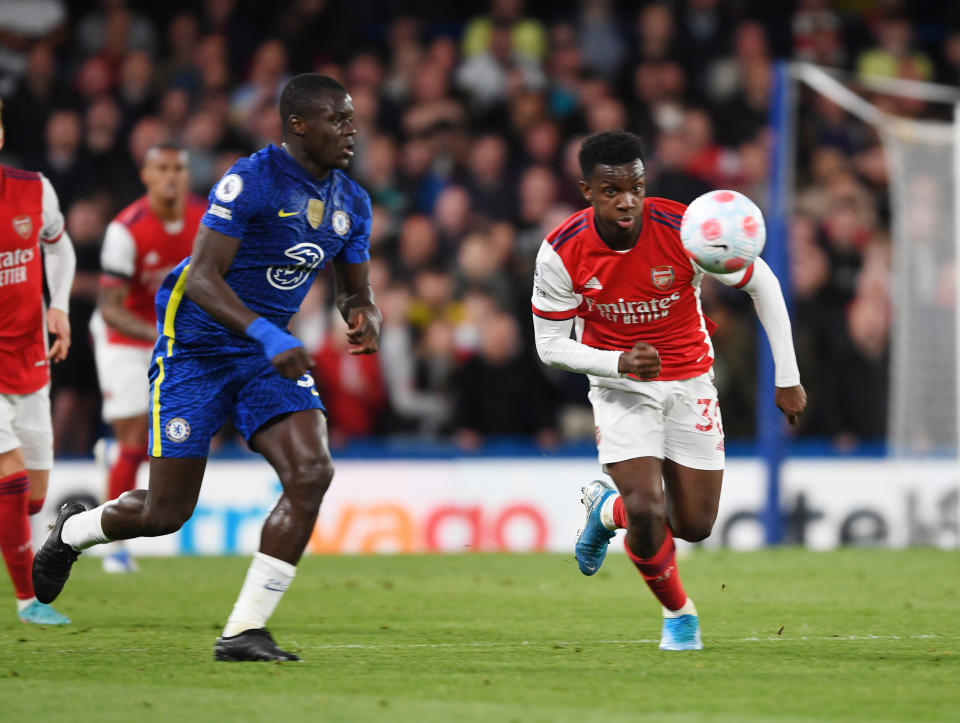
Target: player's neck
<point>615,237</point>
<point>167,211</point>
<point>300,156</point>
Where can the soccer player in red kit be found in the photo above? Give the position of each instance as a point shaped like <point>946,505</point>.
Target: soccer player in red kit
<point>618,274</point>
<point>30,220</point>
<point>142,244</point>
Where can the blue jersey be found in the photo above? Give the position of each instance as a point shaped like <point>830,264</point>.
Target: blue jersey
<point>289,224</point>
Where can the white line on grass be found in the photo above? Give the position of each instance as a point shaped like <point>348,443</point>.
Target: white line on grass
<point>639,641</point>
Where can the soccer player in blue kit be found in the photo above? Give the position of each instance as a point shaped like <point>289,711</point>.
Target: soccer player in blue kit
<point>273,220</point>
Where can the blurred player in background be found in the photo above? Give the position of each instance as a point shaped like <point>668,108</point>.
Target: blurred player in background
<point>30,220</point>
<point>618,274</point>
<point>273,220</point>
<point>142,244</point>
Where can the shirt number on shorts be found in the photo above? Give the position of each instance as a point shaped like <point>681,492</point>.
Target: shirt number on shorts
<point>710,411</point>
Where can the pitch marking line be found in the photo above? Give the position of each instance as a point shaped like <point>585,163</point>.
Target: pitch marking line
<point>639,641</point>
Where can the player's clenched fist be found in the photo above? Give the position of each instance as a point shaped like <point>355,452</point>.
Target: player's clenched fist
<point>791,401</point>
<point>292,363</point>
<point>642,361</point>
<point>364,329</point>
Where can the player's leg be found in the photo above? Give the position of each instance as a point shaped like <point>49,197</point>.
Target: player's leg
<point>631,436</point>
<point>282,420</point>
<point>650,546</point>
<point>39,482</point>
<point>693,498</point>
<point>14,524</point>
<point>296,446</point>
<point>131,434</point>
<point>26,441</point>
<point>182,388</point>
<point>629,426</point>
<point>161,509</point>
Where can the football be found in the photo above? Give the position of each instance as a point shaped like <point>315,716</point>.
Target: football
<point>723,231</point>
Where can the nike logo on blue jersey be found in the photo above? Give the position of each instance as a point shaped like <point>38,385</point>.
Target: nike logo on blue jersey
<point>283,214</point>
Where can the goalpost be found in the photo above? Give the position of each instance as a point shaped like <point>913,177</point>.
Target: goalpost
<point>923,160</point>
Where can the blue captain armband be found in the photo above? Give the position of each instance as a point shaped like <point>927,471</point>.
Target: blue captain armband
<point>273,339</point>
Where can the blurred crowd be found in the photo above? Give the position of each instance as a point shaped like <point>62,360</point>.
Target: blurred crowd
<point>470,117</point>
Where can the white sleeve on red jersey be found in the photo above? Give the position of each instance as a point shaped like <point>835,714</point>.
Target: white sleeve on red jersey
<point>761,283</point>
<point>553,293</point>
<point>554,308</point>
<point>59,265</point>
<point>118,255</point>
<point>53,224</point>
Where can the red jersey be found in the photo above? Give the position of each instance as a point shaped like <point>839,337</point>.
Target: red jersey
<point>29,214</point>
<point>649,293</point>
<point>140,250</point>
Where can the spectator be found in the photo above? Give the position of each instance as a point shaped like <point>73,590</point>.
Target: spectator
<point>487,386</point>
<point>38,93</point>
<point>64,162</point>
<point>350,385</point>
<point>526,36</point>
<point>74,393</point>
<point>491,193</point>
<point>894,55</point>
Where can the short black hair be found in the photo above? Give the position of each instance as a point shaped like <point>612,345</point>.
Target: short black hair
<point>609,148</point>
<point>301,93</point>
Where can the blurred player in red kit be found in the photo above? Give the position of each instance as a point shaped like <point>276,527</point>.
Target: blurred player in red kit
<point>618,274</point>
<point>142,244</point>
<point>30,220</point>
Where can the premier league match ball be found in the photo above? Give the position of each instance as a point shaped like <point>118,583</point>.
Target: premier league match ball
<point>723,231</point>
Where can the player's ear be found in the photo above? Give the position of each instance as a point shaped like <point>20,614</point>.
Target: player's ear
<point>296,125</point>
<point>585,190</point>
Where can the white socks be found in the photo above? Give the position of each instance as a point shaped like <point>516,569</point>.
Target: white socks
<point>687,609</point>
<point>606,513</point>
<point>84,530</point>
<point>267,579</point>
<point>24,604</point>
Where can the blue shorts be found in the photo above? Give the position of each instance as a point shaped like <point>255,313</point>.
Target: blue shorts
<point>191,396</point>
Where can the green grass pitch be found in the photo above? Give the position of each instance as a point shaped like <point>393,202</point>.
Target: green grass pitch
<point>789,635</point>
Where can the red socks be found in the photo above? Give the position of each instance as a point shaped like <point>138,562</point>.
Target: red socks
<point>15,532</point>
<point>619,514</point>
<point>34,506</point>
<point>660,573</point>
<point>123,473</point>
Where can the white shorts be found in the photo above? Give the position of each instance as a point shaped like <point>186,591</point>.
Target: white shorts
<point>677,420</point>
<point>122,370</point>
<point>25,422</point>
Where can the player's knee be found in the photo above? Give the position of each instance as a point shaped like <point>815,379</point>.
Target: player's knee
<point>157,522</point>
<point>644,511</point>
<point>308,482</point>
<point>695,531</point>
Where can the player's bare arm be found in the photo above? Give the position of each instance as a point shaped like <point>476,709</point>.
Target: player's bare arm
<point>212,255</point>
<point>110,303</point>
<point>58,323</point>
<point>355,302</point>
<point>791,401</point>
<point>642,361</point>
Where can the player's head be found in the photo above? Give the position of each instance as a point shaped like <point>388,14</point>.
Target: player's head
<point>165,172</point>
<point>613,179</point>
<point>317,114</point>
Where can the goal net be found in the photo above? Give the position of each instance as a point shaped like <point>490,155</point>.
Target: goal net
<point>923,166</point>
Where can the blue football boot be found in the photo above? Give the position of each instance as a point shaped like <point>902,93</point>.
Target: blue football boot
<point>594,538</point>
<point>682,633</point>
<point>41,614</point>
